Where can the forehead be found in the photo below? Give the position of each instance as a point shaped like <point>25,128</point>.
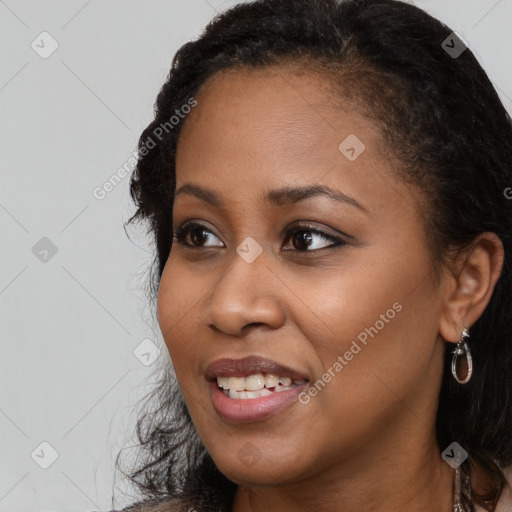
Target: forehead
<point>280,107</point>
<point>282,121</point>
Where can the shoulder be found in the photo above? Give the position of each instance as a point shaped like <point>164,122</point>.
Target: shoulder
<point>505,501</point>
<point>155,505</point>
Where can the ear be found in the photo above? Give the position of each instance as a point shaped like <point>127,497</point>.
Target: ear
<point>470,284</point>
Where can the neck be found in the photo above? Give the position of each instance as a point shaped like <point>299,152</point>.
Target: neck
<point>402,478</point>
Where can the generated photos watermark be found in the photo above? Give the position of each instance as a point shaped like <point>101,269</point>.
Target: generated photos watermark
<point>101,191</point>
<point>355,348</point>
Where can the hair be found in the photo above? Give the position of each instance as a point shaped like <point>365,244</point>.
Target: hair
<point>450,136</point>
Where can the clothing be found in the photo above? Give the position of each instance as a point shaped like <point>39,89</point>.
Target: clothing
<point>156,505</point>
<point>505,502</point>
<point>171,505</point>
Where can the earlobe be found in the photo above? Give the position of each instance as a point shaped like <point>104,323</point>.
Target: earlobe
<point>471,285</point>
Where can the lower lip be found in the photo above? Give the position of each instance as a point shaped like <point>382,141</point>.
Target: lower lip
<point>251,409</point>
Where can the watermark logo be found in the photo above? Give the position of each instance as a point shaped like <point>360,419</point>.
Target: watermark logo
<point>249,454</point>
<point>44,250</point>
<point>249,249</point>
<point>454,455</point>
<point>44,45</point>
<point>454,45</point>
<point>44,455</point>
<point>146,352</point>
<point>352,147</point>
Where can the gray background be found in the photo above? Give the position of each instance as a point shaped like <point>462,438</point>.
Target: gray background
<point>73,322</point>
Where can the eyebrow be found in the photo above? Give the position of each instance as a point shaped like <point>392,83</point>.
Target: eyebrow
<point>277,198</point>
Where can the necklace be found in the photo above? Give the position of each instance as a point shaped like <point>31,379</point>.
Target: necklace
<point>457,505</point>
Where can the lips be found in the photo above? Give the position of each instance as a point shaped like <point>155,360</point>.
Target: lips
<point>250,366</point>
<point>237,406</point>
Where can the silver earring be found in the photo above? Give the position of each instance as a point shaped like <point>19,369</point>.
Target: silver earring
<point>460,350</point>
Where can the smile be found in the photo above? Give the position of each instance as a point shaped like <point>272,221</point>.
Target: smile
<point>253,388</point>
<point>256,386</point>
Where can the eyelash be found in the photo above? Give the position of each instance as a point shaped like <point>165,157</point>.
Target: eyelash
<point>184,229</point>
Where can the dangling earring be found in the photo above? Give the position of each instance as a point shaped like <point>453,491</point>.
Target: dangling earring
<point>460,350</point>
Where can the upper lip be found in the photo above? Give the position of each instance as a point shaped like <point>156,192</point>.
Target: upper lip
<point>230,367</point>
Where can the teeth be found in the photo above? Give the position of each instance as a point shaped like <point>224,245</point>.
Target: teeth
<point>254,382</point>
<point>257,385</point>
<point>233,394</point>
<point>237,383</point>
<point>271,381</point>
<point>244,395</point>
<point>283,388</point>
<point>223,382</point>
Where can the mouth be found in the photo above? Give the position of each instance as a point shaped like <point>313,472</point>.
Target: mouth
<point>256,386</point>
<point>253,388</point>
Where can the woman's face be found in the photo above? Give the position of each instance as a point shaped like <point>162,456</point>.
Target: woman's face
<point>307,275</point>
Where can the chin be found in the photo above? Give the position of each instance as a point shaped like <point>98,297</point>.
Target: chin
<point>250,466</point>
<point>258,476</point>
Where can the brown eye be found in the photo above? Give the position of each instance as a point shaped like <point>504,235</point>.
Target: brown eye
<point>194,235</point>
<point>304,238</point>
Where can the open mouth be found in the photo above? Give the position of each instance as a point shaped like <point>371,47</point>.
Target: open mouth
<point>253,388</point>
<point>256,385</point>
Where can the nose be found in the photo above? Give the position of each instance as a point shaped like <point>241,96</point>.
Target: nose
<point>247,294</point>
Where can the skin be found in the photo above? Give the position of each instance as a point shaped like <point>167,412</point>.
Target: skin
<point>366,442</point>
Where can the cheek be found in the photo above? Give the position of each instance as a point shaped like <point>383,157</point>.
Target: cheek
<point>173,314</point>
<point>364,293</point>
<point>382,314</point>
<point>177,304</point>
<point>386,361</point>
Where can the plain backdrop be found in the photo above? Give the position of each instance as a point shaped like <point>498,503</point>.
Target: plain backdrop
<point>78,80</point>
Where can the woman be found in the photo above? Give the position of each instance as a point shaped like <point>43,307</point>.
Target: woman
<point>326,183</point>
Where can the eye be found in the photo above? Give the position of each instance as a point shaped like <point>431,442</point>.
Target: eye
<point>304,237</point>
<point>198,234</point>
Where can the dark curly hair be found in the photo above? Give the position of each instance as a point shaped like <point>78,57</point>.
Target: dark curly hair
<point>450,136</point>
